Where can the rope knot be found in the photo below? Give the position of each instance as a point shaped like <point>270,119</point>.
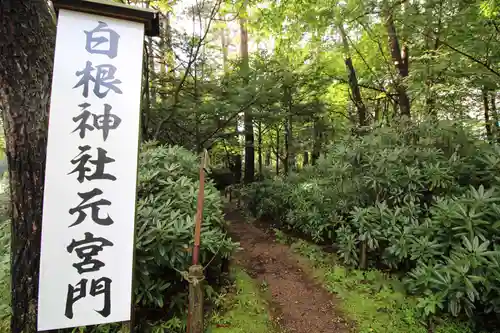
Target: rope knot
<point>192,278</point>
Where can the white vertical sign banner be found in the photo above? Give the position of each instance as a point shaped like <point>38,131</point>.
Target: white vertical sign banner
<point>90,181</point>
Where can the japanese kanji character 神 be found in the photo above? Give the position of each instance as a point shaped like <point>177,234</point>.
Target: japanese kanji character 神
<point>104,122</point>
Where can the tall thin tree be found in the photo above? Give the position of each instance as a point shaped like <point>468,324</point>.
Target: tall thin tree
<point>248,120</point>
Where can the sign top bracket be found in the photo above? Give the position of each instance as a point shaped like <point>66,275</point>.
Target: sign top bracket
<point>149,17</point>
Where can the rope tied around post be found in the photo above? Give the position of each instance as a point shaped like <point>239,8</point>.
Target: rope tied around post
<point>194,276</point>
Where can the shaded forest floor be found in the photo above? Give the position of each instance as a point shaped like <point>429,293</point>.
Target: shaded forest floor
<point>298,304</point>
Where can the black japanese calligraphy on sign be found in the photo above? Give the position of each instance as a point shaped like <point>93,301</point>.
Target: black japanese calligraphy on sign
<point>94,207</point>
<point>95,39</point>
<point>104,122</point>
<point>82,169</point>
<point>86,249</point>
<point>98,287</point>
<point>104,78</point>
<point>101,80</point>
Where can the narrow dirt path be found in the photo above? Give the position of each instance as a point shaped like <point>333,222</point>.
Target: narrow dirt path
<point>299,304</point>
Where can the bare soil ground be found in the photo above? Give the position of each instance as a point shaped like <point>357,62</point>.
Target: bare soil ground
<point>298,304</point>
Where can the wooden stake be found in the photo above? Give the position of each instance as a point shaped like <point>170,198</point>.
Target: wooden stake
<point>195,324</point>
<point>195,275</point>
<point>126,327</point>
<point>199,210</point>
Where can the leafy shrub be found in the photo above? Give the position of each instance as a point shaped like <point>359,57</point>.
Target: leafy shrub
<point>421,199</point>
<point>166,208</point>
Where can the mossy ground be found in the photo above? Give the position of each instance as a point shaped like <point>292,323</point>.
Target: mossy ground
<point>245,308</point>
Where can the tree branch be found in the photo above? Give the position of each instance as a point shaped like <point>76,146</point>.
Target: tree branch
<point>225,123</point>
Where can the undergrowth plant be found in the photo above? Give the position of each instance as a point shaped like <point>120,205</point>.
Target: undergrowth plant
<point>376,301</point>
<point>421,200</point>
<point>166,208</point>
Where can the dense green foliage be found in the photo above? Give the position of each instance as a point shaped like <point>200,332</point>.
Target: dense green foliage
<point>421,199</point>
<point>167,194</point>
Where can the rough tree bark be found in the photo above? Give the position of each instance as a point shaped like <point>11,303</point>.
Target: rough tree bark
<point>26,56</point>
<point>400,58</point>
<point>494,113</point>
<point>353,80</point>
<point>487,122</point>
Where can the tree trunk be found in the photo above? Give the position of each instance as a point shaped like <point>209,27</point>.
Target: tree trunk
<point>494,113</point>
<point>268,158</point>
<point>152,73</point>
<point>149,93</point>
<point>487,123</point>
<point>146,109</point>
<point>376,115</point>
<point>170,58</point>
<point>225,53</point>
<point>400,58</point>
<point>316,143</point>
<point>287,106</point>
<point>286,163</point>
<point>151,69</point>
<point>353,80</point>
<point>363,261</point>
<point>306,159</point>
<point>260,150</point>
<point>277,150</point>
<point>249,137</point>
<point>395,106</point>
<point>432,33</point>
<point>167,63</point>
<point>237,168</point>
<point>27,43</point>
<point>385,111</point>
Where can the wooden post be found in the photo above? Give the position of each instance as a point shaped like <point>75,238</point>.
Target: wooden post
<point>126,327</point>
<point>195,274</point>
<point>195,324</point>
